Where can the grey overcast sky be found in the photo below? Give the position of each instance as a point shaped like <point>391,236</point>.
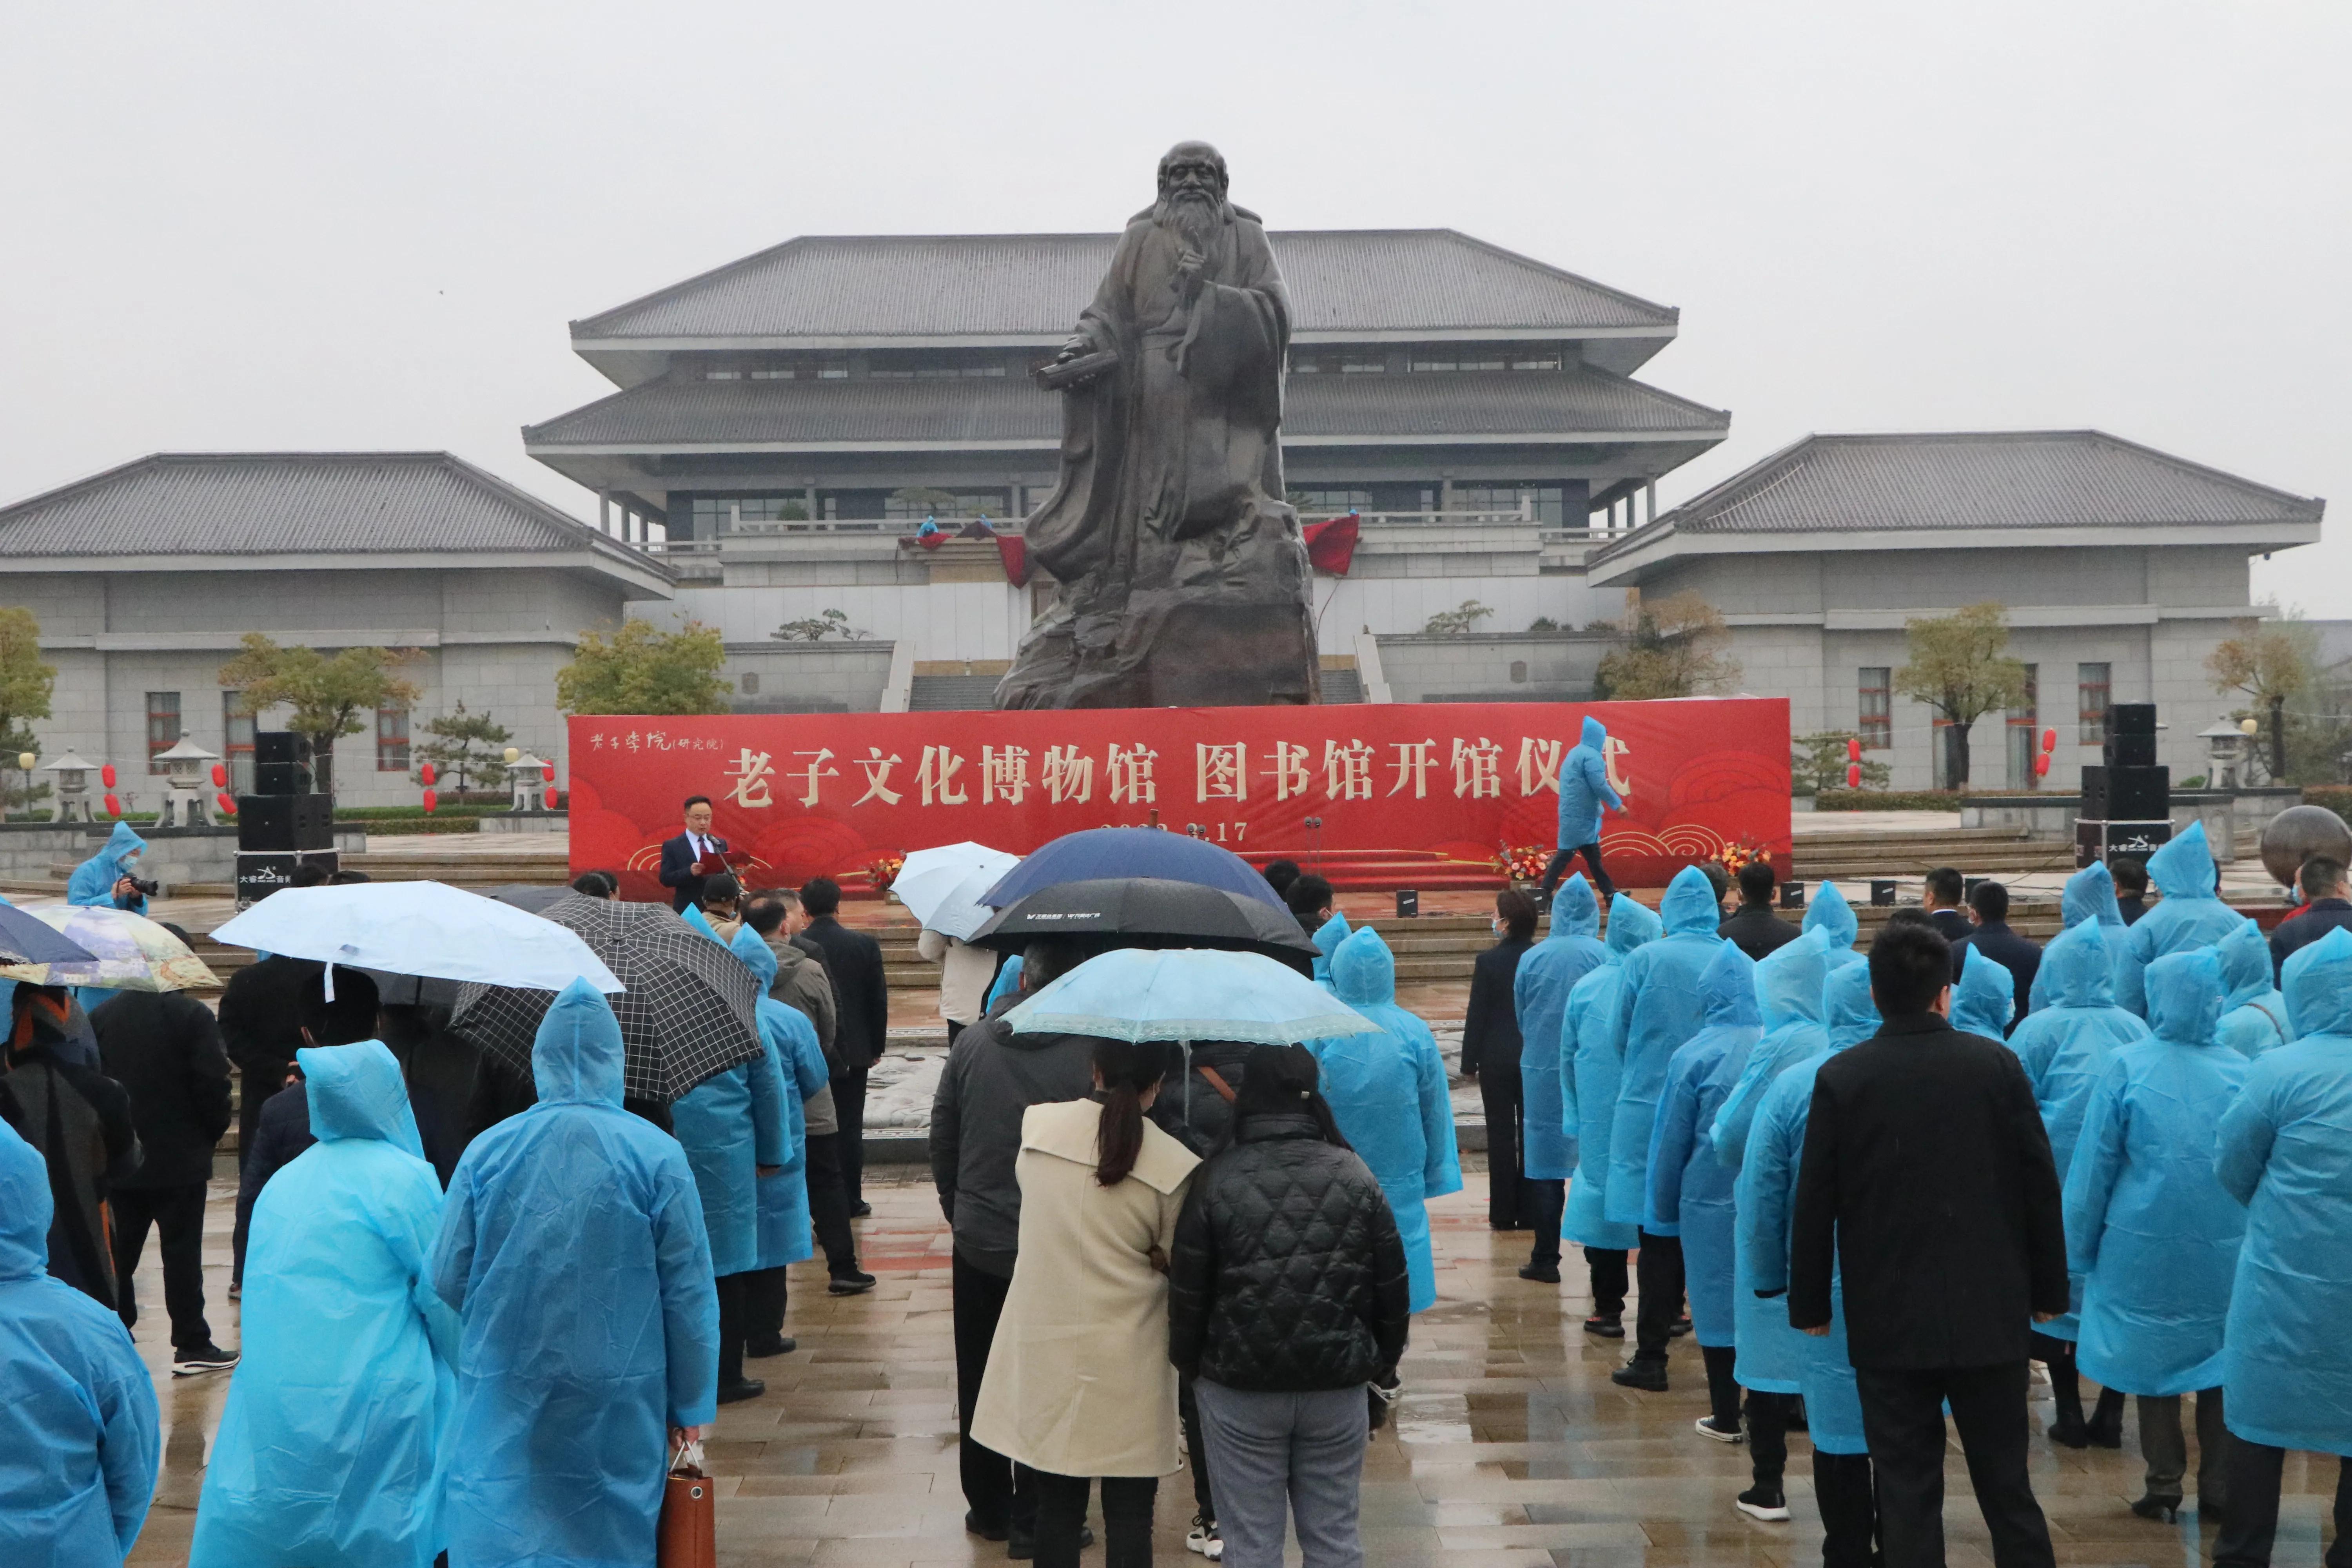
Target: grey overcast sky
<point>247,226</point>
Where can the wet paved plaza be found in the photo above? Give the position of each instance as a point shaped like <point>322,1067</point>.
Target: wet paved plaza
<point>1512,1447</point>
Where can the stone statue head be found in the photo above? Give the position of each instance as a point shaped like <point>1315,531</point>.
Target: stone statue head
<point>1192,168</point>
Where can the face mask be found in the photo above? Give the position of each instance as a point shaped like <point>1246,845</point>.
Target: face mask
<point>1497,925</point>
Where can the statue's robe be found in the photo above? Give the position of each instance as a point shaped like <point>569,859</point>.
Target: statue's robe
<point>1183,578</point>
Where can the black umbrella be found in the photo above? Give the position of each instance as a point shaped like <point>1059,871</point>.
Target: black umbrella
<point>688,1013</point>
<point>533,896</point>
<point>1150,911</point>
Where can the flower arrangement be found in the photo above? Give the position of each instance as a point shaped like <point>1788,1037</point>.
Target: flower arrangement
<point>1521,862</point>
<point>884,871</point>
<point>1735,856</point>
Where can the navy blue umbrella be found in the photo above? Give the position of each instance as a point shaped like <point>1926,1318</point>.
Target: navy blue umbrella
<point>24,940</point>
<point>1102,853</point>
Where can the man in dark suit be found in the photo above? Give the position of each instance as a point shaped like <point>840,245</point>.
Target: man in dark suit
<point>862,1028</point>
<point>1993,938</point>
<point>1753,928</point>
<point>692,856</point>
<point>1928,1186</point>
<point>1944,888</point>
<point>1490,1053</point>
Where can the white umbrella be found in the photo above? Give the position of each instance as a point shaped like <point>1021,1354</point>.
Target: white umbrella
<point>419,928</point>
<point>1188,994</point>
<point>942,887</point>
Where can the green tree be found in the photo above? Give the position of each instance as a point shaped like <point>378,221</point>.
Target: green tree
<point>817,628</point>
<point>332,695</point>
<point>1959,666</point>
<point>452,750</point>
<point>1461,618</point>
<point>1674,647</point>
<point>938,503</point>
<point>2270,662</point>
<point>1818,762</point>
<point>640,669</point>
<point>27,681</point>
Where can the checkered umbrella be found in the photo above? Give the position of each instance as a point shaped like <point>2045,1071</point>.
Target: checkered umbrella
<point>687,1014</point>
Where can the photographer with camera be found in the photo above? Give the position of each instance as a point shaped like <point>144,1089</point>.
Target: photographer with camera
<point>110,878</point>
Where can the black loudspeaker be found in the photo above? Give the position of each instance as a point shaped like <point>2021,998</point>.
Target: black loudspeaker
<point>262,873</point>
<point>281,762</point>
<point>2129,751</point>
<point>2131,718</point>
<point>2126,795</point>
<point>2106,841</point>
<point>1793,895</point>
<point>1882,892</point>
<point>285,823</point>
<point>1408,903</point>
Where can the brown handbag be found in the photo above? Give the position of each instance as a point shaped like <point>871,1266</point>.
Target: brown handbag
<point>689,1533</point>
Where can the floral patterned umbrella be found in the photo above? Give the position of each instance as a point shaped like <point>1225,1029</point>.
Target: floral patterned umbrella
<point>134,953</point>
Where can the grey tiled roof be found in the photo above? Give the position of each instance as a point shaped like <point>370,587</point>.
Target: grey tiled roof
<point>257,503</point>
<point>1012,285</point>
<point>1466,403</point>
<point>2034,479</point>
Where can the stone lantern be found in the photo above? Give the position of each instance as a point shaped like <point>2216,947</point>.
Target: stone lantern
<point>188,799</point>
<point>73,771</point>
<point>526,778</point>
<point>2224,746</point>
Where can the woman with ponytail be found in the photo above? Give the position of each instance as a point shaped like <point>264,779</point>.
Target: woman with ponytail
<point>1078,1382</point>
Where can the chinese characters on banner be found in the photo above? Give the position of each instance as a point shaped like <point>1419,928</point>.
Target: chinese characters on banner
<point>1396,787</point>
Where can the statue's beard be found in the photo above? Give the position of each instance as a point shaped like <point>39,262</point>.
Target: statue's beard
<point>1193,213</point>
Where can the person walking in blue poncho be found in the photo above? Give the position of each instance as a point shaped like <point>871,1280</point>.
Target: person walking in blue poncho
<point>1690,1188</point>
<point>1388,1091</point>
<point>2285,1150</point>
<point>572,1248</point>
<point>2190,914</point>
<point>2253,1013</point>
<point>1767,1196</point>
<point>1661,1004</point>
<point>2065,1045</point>
<point>332,1445</point>
<point>1589,1076</point>
<point>1584,789</point>
<point>784,1232</point>
<point>79,1425</point>
<point>2153,1234</point>
<point>1547,972</point>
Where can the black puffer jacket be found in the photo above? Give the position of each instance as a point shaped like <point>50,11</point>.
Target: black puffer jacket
<point>1287,1275</point>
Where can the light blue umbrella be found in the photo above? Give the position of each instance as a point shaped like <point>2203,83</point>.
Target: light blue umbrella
<point>1188,994</point>
<point>419,928</point>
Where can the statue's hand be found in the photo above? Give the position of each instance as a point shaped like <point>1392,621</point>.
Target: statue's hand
<point>1189,265</point>
<point>1078,344</point>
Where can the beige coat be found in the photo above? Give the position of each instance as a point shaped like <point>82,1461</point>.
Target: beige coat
<point>1078,1379</point>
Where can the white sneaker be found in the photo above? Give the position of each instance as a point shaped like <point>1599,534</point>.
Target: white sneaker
<point>1707,1429</point>
<point>1204,1539</point>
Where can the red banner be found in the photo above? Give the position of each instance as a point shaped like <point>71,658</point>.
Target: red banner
<point>1404,794</point>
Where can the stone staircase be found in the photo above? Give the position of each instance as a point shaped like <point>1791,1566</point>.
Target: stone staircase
<point>1857,855</point>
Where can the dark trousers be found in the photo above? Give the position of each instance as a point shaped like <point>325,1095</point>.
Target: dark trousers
<point>1606,1265</point>
<point>1659,1268</point>
<point>1127,1519</point>
<point>1500,1092</point>
<point>1001,1494</point>
<point>1903,1419</point>
<point>2251,1523</point>
<point>764,1295</point>
<point>178,1215</point>
<point>2165,1447</point>
<point>1558,869</point>
<point>1545,1201</point>
<point>1848,1503</point>
<point>1722,1385</point>
<point>849,1106</point>
<point>1196,1451</point>
<point>1767,1437</point>
<point>828,1209</point>
<point>732,1321</point>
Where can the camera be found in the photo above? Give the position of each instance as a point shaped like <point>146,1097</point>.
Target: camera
<point>145,889</point>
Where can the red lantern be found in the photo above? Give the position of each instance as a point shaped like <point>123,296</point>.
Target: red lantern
<point>2042,766</point>
<point>1854,748</point>
<point>220,776</point>
<point>431,800</point>
<point>2048,740</point>
<point>106,777</point>
<point>424,775</point>
<point>1853,776</point>
<point>552,797</point>
<point>113,806</point>
<point>548,773</point>
<point>228,806</point>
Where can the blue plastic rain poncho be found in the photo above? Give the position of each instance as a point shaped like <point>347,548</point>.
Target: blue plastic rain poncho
<point>1767,1196</point>
<point>1660,1007</point>
<point>333,1441</point>
<point>572,1248</point>
<point>93,881</point>
<point>729,1125</point>
<point>799,1064</point>
<point>1007,983</point>
<point>2067,1043</point>
<point>79,1441</point>
<point>1547,972</point>
<point>2189,915</point>
<point>1388,1092</point>
<point>1789,994</point>
<point>1832,916</point>
<point>1327,938</point>
<point>2253,1015</point>
<point>2285,1150</point>
<point>1584,788</point>
<point>1979,1004</point>
<point>1690,1188</point>
<point>1588,1047</point>
<point>2153,1234</point>
<point>2089,896</point>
